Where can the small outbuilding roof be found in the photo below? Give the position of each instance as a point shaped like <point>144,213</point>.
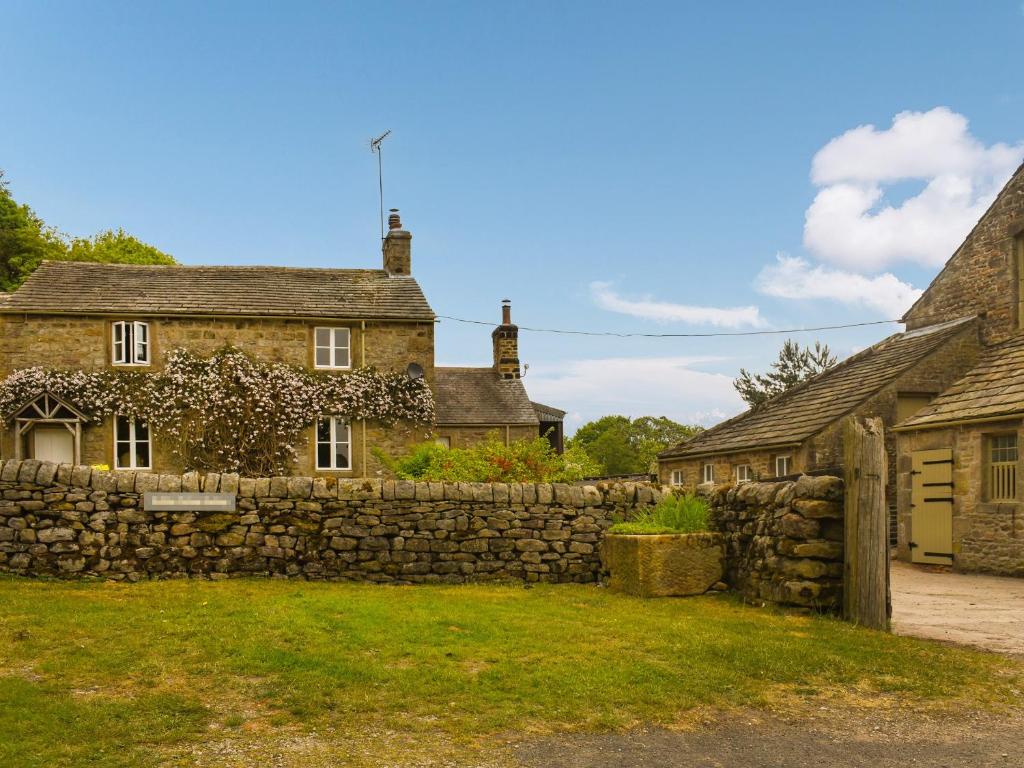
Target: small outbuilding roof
<point>547,413</point>
<point>795,415</point>
<point>465,396</point>
<point>992,389</point>
<point>65,287</point>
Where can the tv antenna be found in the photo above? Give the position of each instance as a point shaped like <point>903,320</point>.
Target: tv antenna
<point>375,148</point>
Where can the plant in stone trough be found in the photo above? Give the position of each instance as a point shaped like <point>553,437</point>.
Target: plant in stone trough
<point>686,513</point>
<point>229,412</point>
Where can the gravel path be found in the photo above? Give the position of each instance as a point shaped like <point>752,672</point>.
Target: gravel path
<point>838,739</point>
<point>982,611</point>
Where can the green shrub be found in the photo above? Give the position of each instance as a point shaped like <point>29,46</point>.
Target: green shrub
<point>522,461</point>
<point>673,514</point>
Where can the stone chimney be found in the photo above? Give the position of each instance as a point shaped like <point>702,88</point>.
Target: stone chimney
<point>506,344</point>
<point>397,247</point>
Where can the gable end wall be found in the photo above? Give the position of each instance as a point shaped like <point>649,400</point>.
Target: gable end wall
<point>981,277</point>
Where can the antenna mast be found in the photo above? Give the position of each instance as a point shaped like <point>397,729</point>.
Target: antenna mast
<point>375,148</point>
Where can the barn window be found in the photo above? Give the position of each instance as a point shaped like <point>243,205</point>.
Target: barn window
<point>744,473</point>
<point>1002,478</point>
<point>709,473</point>
<point>677,477</point>
<point>783,466</point>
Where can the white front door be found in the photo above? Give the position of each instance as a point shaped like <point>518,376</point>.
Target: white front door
<point>55,444</point>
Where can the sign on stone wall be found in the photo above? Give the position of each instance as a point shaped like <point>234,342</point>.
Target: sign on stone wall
<point>161,501</point>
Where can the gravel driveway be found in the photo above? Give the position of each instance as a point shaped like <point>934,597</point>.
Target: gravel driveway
<point>982,611</point>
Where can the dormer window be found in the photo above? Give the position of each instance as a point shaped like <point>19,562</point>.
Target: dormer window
<point>331,348</point>
<point>130,343</point>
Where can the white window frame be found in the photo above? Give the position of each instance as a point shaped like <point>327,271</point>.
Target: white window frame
<point>133,444</point>
<point>332,346</point>
<point>788,458</point>
<point>677,477</point>
<point>336,422</point>
<point>708,473</point>
<point>134,344</point>
<point>744,473</point>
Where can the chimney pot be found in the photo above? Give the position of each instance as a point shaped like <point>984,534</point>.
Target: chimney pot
<point>394,221</point>
<point>506,312</point>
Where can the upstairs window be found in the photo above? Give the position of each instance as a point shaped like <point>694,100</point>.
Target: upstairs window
<point>783,466</point>
<point>744,473</point>
<point>1002,468</point>
<point>130,343</point>
<point>131,443</point>
<point>677,477</point>
<point>333,443</point>
<point>331,348</point>
<point>709,473</point>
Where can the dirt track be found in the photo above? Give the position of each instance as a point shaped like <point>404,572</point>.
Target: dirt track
<point>982,611</point>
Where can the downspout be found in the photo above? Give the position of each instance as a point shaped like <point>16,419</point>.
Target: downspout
<point>508,435</point>
<point>362,362</point>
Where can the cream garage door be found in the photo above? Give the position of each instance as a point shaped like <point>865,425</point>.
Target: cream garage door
<point>55,444</point>
<point>931,512</point>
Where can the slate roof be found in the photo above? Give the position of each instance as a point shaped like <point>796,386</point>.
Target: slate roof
<point>84,288</point>
<point>794,416</point>
<point>479,396</point>
<point>993,388</point>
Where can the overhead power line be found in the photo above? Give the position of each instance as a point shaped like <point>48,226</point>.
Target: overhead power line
<point>675,335</point>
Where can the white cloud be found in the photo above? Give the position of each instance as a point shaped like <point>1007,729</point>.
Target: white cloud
<point>851,224</point>
<point>649,309</point>
<point>635,386</point>
<point>794,278</point>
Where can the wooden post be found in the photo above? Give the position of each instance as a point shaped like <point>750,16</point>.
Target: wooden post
<point>866,550</point>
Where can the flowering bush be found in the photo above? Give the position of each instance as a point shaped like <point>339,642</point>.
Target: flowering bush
<point>522,461</point>
<point>229,412</point>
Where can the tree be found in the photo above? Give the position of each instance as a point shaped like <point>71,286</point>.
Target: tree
<point>794,365</point>
<point>625,446</point>
<point>115,248</point>
<point>26,241</point>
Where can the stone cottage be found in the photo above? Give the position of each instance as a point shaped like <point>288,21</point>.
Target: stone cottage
<point>94,317</point>
<point>960,481</point>
<point>801,430</point>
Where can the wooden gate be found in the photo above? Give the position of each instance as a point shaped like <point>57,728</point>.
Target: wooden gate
<point>931,507</point>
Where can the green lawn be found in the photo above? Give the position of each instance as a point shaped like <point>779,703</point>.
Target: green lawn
<point>128,675</point>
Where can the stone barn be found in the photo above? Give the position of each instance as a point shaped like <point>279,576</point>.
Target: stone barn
<point>960,495</point>
<point>800,430</point>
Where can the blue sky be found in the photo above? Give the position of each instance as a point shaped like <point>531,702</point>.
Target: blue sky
<point>615,166</point>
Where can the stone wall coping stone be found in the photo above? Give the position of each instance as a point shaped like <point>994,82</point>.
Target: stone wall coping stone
<point>569,496</point>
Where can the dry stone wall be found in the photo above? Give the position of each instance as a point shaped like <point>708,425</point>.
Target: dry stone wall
<point>59,520</point>
<point>783,540</point>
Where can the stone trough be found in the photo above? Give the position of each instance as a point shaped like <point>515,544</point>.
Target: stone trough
<point>663,565</point>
